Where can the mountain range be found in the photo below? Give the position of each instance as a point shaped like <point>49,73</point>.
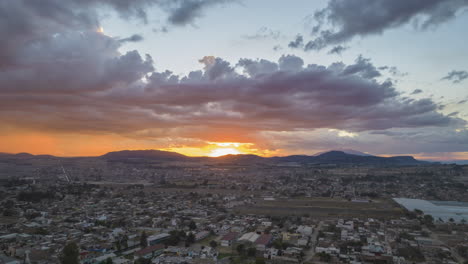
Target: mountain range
<point>344,157</point>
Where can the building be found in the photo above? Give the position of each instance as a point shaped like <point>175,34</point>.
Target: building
<point>228,239</point>
<point>156,239</point>
<point>263,241</point>
<point>151,251</point>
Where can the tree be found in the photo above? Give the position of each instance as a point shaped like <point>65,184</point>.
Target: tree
<point>213,244</point>
<point>118,246</point>
<point>192,225</point>
<point>418,212</point>
<point>302,255</point>
<point>277,244</point>
<point>251,252</point>
<point>240,249</point>
<point>143,239</point>
<point>428,220</point>
<point>124,243</point>
<point>259,261</point>
<point>70,254</point>
<point>324,257</point>
<point>174,238</point>
<point>143,261</point>
<point>190,238</point>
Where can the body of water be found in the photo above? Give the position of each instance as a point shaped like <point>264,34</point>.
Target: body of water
<point>438,209</point>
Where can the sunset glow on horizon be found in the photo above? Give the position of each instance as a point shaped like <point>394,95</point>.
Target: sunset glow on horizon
<point>189,80</point>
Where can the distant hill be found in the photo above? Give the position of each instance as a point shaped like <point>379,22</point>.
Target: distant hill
<point>459,162</point>
<point>331,157</point>
<point>347,151</point>
<point>24,155</point>
<point>144,154</point>
<point>243,159</point>
<point>340,157</point>
<point>343,158</point>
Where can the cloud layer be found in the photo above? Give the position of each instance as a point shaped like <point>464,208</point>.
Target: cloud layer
<point>343,20</point>
<point>60,75</point>
<point>456,76</point>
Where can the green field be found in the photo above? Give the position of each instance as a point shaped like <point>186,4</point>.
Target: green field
<point>322,207</point>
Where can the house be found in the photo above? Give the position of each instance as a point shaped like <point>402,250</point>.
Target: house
<point>151,251</point>
<point>8,260</point>
<point>249,237</point>
<point>305,230</point>
<point>263,241</point>
<point>103,258</point>
<point>302,242</point>
<point>228,239</point>
<point>201,235</point>
<point>156,239</point>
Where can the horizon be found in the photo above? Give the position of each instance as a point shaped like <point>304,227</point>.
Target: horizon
<point>239,154</point>
<point>122,76</point>
<point>233,131</point>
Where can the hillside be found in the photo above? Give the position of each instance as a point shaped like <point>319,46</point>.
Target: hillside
<point>331,157</point>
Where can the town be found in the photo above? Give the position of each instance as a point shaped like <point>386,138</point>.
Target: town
<point>127,212</point>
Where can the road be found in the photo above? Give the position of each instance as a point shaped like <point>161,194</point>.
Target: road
<point>313,242</point>
<point>453,250</point>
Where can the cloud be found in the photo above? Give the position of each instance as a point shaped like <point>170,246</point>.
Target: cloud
<point>417,91</point>
<point>393,71</point>
<point>363,67</point>
<point>267,96</point>
<point>456,76</point>
<point>132,38</point>
<point>277,48</point>
<point>26,22</point>
<point>396,141</point>
<point>338,49</point>
<point>162,29</point>
<point>342,20</point>
<point>183,12</point>
<point>297,43</point>
<point>264,33</point>
<point>256,67</point>
<point>59,75</point>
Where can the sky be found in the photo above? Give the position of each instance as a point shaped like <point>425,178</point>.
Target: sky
<point>215,77</point>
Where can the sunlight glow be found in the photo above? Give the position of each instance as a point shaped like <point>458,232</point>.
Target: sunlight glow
<point>224,151</point>
<point>344,133</point>
<point>217,149</point>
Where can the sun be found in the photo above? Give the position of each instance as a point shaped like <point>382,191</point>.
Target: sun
<point>224,151</point>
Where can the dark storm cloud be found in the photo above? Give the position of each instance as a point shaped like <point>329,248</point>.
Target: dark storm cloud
<point>342,20</point>
<point>456,76</point>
